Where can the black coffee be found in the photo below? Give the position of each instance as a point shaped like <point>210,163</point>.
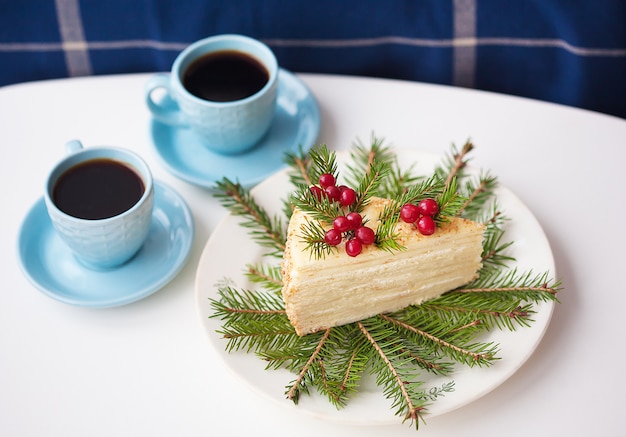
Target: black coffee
<point>97,189</point>
<point>225,76</point>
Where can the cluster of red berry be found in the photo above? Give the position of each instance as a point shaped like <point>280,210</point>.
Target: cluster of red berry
<point>350,225</point>
<point>421,215</point>
<point>344,195</point>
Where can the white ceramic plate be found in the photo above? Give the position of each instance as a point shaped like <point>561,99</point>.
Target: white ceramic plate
<point>230,248</point>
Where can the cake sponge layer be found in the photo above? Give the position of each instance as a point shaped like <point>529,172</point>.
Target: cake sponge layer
<point>339,289</point>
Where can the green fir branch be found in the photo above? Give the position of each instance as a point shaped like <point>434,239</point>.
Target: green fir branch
<point>323,161</point>
<point>434,336</point>
<point>268,277</point>
<point>454,163</point>
<point>304,172</point>
<point>321,209</point>
<point>300,168</point>
<point>494,254</point>
<point>450,201</point>
<point>233,305</point>
<point>267,231</point>
<point>334,366</point>
<point>497,299</point>
<point>431,187</point>
<point>495,249</point>
<point>395,372</point>
<point>387,236</point>
<point>478,193</point>
<point>252,321</point>
<point>292,355</point>
<point>306,373</point>
<point>528,286</point>
<point>369,185</point>
<point>312,234</point>
<point>398,181</point>
<point>362,157</point>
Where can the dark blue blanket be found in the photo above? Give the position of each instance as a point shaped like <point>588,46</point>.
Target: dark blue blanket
<point>566,51</point>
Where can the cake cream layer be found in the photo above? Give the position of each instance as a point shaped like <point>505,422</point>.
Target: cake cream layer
<point>339,289</point>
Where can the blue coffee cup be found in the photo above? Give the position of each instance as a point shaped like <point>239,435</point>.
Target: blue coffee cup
<point>107,242</point>
<point>226,127</point>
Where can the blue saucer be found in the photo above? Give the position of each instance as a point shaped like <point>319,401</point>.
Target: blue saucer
<point>296,124</point>
<point>52,268</point>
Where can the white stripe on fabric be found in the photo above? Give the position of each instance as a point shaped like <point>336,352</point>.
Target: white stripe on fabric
<point>93,45</point>
<point>464,56</point>
<point>364,42</point>
<point>447,43</point>
<point>73,38</point>
<point>551,43</point>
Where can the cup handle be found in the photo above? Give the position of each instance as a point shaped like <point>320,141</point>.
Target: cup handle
<point>165,110</point>
<point>73,147</point>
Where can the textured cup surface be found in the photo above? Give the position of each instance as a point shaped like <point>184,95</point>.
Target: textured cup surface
<point>224,127</point>
<point>109,242</point>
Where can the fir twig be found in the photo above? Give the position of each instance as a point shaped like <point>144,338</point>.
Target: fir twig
<point>497,299</point>
<point>294,391</point>
<point>494,255</point>
<point>481,355</point>
<point>478,193</point>
<point>320,209</point>
<point>313,235</point>
<point>300,165</point>
<point>455,162</point>
<point>363,156</point>
<point>389,363</point>
<point>268,232</point>
<point>369,184</point>
<point>268,277</point>
<point>529,286</point>
<point>252,320</point>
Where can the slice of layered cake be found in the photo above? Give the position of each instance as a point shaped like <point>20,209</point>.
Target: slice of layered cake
<point>339,288</point>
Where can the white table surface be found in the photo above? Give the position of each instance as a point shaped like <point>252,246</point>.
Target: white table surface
<point>147,369</point>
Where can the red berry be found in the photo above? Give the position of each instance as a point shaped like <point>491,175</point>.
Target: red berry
<point>365,235</point>
<point>426,225</point>
<point>353,247</point>
<point>409,213</point>
<point>318,193</point>
<point>428,207</point>
<point>327,180</point>
<point>347,196</point>
<point>332,237</point>
<point>333,193</point>
<point>341,223</point>
<point>355,220</point>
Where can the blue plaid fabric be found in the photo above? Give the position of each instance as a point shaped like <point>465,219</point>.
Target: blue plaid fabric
<point>566,51</point>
